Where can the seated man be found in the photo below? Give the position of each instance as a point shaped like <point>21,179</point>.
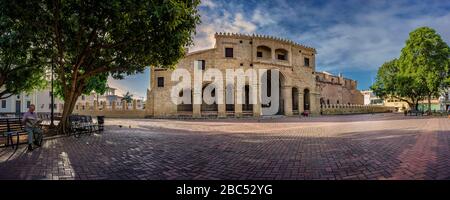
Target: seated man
<point>31,122</point>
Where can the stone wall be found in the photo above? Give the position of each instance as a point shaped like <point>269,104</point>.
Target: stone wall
<point>113,111</point>
<point>343,109</point>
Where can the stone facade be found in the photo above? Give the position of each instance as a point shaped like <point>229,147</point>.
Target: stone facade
<point>299,87</point>
<point>337,90</point>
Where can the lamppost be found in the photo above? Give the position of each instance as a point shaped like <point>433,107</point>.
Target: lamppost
<point>52,107</point>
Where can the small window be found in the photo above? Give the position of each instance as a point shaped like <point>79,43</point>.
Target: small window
<point>3,103</point>
<point>259,54</point>
<point>49,106</point>
<point>307,62</point>
<point>281,57</point>
<point>228,52</point>
<point>83,97</point>
<point>18,96</point>
<point>28,104</point>
<point>203,64</point>
<point>160,81</point>
<point>337,101</point>
<point>50,94</point>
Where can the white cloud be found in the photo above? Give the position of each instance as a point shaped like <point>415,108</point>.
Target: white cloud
<point>209,4</point>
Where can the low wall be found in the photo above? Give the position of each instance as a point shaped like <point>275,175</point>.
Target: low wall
<point>344,109</point>
<point>114,113</point>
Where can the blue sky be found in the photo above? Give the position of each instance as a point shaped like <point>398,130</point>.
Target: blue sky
<point>352,37</point>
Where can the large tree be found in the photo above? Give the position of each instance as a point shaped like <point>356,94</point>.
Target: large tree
<point>425,59</point>
<point>422,71</point>
<point>391,82</point>
<point>21,69</point>
<point>88,39</point>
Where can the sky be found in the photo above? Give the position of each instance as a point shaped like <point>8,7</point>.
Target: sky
<point>352,37</point>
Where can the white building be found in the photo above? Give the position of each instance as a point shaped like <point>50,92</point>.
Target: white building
<point>370,98</point>
<point>20,103</point>
<point>444,101</point>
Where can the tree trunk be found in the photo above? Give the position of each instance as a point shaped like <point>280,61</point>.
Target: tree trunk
<point>429,103</point>
<point>69,105</point>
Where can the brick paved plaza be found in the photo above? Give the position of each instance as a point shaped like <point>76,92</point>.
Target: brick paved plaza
<point>381,146</point>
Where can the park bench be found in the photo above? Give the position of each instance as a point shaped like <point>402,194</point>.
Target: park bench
<point>10,127</point>
<point>81,124</point>
<point>415,112</point>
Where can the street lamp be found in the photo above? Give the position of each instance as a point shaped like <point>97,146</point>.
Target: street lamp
<point>52,108</point>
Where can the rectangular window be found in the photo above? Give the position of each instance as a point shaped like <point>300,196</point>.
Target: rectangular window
<point>3,103</point>
<point>28,104</point>
<point>259,54</point>
<point>202,64</point>
<point>307,62</point>
<point>281,57</point>
<point>83,97</point>
<point>160,81</point>
<point>50,94</point>
<point>49,106</point>
<point>228,52</point>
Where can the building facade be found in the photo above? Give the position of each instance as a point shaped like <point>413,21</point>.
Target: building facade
<point>17,104</point>
<point>370,98</point>
<point>41,99</point>
<point>301,87</point>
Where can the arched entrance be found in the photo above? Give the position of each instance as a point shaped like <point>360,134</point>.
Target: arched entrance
<point>209,109</point>
<point>185,109</point>
<point>281,83</point>
<point>295,100</point>
<point>306,100</point>
<point>247,107</point>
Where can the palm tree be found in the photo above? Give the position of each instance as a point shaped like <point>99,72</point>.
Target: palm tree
<point>128,97</point>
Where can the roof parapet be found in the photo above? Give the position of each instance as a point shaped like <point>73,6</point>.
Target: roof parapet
<point>242,35</point>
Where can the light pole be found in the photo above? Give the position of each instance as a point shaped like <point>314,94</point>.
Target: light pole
<point>52,107</point>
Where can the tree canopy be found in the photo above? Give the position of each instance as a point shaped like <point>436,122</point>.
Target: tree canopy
<point>88,40</point>
<point>421,71</point>
<point>21,70</point>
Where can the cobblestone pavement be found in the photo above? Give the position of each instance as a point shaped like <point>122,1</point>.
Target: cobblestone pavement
<point>381,146</point>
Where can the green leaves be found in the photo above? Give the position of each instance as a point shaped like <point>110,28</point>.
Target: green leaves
<point>89,39</point>
<point>421,71</point>
<point>21,67</point>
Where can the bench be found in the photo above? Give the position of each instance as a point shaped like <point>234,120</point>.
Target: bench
<point>10,127</point>
<point>80,124</point>
<point>415,112</point>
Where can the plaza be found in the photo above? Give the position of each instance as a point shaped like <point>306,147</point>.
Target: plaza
<point>368,146</point>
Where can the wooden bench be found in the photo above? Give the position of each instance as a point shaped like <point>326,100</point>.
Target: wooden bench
<point>10,127</point>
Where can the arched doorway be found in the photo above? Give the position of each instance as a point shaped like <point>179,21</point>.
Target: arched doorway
<point>306,100</point>
<point>281,83</point>
<point>209,108</point>
<point>247,107</point>
<point>185,108</point>
<point>295,100</point>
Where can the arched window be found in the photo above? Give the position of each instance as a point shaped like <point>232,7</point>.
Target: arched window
<point>281,54</point>
<point>263,52</point>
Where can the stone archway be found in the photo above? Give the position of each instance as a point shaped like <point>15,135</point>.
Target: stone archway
<point>281,91</point>
<point>206,108</point>
<point>185,108</point>
<point>247,107</point>
<point>306,100</point>
<point>295,107</point>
